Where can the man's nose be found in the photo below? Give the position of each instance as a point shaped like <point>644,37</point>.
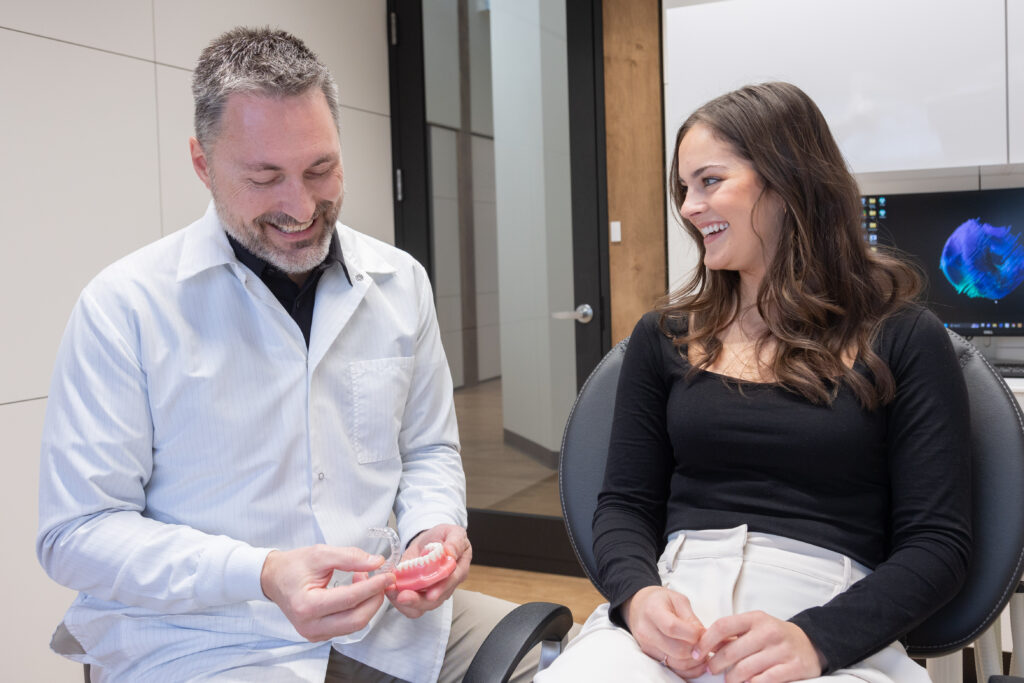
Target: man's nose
<point>296,200</point>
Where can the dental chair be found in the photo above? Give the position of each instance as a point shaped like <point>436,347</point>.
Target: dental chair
<point>997,439</point>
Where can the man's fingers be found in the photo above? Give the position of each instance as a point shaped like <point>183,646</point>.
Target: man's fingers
<point>341,598</point>
<point>456,542</point>
<point>347,621</point>
<point>347,559</point>
<point>409,603</point>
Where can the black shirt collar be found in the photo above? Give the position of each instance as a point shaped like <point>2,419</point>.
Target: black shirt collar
<point>259,266</point>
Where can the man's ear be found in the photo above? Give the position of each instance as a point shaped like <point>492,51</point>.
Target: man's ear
<point>200,162</point>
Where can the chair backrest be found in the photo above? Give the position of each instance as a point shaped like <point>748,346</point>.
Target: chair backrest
<point>584,452</point>
<point>997,439</point>
<point>997,487</point>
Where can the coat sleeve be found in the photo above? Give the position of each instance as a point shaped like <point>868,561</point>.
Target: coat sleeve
<point>96,459</point>
<point>433,487</point>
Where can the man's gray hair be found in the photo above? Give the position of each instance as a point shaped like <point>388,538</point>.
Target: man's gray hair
<point>254,60</point>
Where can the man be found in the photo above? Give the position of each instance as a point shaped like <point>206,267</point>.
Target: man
<point>234,407</point>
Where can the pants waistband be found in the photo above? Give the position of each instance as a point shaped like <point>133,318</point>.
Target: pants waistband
<point>754,546</point>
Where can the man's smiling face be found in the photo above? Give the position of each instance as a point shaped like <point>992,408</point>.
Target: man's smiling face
<point>276,176</point>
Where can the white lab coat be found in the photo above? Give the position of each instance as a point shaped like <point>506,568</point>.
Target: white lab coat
<point>189,431</point>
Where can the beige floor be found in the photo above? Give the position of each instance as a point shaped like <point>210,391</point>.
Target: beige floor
<point>578,594</point>
<point>498,476</point>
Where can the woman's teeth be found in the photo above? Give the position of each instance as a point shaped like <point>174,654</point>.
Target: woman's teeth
<point>713,228</point>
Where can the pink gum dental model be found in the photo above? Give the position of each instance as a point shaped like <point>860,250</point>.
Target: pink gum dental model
<point>422,572</point>
<point>418,573</point>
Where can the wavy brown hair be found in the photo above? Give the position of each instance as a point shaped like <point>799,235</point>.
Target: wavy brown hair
<point>825,292</point>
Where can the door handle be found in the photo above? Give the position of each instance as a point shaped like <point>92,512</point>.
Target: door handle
<point>583,314</point>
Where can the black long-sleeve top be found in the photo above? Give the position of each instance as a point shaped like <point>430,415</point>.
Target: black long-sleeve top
<point>889,488</point>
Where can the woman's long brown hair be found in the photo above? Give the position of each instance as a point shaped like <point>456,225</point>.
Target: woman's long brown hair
<point>825,292</point>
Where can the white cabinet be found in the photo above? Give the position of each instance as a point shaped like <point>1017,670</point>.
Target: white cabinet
<point>1015,81</point>
<point>904,84</point>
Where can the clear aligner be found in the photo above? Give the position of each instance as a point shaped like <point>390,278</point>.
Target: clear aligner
<point>396,547</point>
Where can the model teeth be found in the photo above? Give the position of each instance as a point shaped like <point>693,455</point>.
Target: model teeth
<point>713,228</point>
<point>293,228</point>
<point>434,552</point>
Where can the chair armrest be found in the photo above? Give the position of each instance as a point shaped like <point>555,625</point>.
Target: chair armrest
<point>1005,679</point>
<point>514,636</point>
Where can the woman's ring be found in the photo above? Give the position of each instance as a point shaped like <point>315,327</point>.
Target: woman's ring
<point>664,660</point>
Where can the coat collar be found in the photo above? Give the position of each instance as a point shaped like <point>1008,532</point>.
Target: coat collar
<point>206,246</point>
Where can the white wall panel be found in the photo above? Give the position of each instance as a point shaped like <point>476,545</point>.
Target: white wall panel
<point>80,184</point>
<point>33,604</point>
<point>86,23</point>
<point>94,143</point>
<point>485,247</point>
<point>483,168</point>
<point>1015,77</point>
<point>488,349</point>
<point>366,151</point>
<point>528,55</point>
<point>481,113</point>
<point>891,77</point>
<point>447,247</point>
<point>444,167</point>
<point>183,197</point>
<point>441,62</point>
<point>451,342</point>
<point>350,37</point>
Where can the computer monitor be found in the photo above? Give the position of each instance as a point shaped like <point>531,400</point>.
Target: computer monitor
<point>970,245</point>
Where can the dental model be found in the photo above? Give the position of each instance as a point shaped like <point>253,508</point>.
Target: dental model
<point>418,573</point>
<point>422,572</point>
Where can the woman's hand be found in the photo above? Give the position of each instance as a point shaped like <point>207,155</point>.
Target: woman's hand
<point>759,648</point>
<point>666,628</point>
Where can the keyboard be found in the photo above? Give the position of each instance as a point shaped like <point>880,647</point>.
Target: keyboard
<point>1009,369</point>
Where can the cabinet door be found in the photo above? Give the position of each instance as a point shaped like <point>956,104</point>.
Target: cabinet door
<point>1015,79</point>
<point>905,84</point>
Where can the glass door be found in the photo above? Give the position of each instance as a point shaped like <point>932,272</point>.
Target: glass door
<point>512,234</point>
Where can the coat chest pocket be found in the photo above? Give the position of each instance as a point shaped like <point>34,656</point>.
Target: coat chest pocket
<point>379,390</point>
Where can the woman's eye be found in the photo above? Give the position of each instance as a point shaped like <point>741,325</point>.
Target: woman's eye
<point>710,180</point>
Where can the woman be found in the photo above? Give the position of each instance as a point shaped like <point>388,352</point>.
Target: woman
<point>790,432</point>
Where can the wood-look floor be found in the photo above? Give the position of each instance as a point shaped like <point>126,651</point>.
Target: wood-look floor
<point>578,594</point>
<point>499,476</point>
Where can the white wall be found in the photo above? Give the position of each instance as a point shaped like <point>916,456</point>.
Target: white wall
<point>534,228</point>
<point>444,119</point>
<point>94,131</point>
<point>938,122</point>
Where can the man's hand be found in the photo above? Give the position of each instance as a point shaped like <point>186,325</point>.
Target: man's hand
<point>759,648</point>
<point>666,628</point>
<point>414,604</point>
<point>296,580</point>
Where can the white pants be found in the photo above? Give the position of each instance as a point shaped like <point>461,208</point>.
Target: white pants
<point>723,572</point>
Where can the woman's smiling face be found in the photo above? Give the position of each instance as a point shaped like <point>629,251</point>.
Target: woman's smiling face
<point>727,202</point>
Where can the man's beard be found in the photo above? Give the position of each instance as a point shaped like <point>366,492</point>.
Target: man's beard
<point>301,257</point>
